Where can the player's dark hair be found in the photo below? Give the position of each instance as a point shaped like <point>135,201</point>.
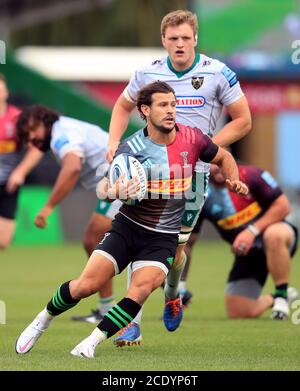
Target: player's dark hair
<point>144,96</point>
<point>38,114</point>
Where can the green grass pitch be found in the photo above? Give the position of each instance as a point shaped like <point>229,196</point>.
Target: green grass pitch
<point>206,340</point>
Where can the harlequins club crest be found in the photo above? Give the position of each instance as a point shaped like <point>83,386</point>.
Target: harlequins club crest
<point>185,158</point>
<point>197,82</point>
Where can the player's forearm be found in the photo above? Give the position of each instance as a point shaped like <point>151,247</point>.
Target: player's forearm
<point>232,132</point>
<point>277,211</point>
<point>119,120</point>
<point>31,159</point>
<point>227,165</point>
<point>118,125</point>
<point>65,182</point>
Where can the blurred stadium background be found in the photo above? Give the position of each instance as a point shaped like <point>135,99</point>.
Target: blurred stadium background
<point>76,56</point>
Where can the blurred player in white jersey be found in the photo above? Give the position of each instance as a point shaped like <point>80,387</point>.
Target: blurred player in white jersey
<point>79,148</point>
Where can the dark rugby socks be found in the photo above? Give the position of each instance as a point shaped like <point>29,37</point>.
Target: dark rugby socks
<point>61,301</point>
<point>281,291</point>
<point>119,316</point>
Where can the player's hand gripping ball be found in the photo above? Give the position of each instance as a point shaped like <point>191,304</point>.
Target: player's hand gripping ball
<point>130,168</point>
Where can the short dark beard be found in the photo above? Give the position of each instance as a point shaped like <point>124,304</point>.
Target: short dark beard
<point>45,145</point>
<point>164,130</point>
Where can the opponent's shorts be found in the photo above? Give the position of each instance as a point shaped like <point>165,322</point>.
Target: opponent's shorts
<point>128,242</point>
<point>195,201</point>
<point>249,273</point>
<point>108,209</point>
<point>8,203</point>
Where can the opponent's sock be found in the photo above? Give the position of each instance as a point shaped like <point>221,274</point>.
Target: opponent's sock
<point>119,316</point>
<point>173,278</point>
<point>281,291</point>
<point>105,304</point>
<point>182,287</point>
<point>61,301</point>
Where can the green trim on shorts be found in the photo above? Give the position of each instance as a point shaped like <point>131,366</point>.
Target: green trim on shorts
<point>170,260</point>
<point>194,205</point>
<point>102,207</point>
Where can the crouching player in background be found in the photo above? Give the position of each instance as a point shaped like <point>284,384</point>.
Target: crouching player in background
<point>262,241</point>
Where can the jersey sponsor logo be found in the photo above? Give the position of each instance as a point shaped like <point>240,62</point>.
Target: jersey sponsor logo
<point>242,217</point>
<point>267,177</point>
<point>169,186</point>
<point>229,75</point>
<point>183,102</point>
<point>197,81</point>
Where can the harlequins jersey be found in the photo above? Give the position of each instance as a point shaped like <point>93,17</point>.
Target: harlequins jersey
<point>169,169</point>
<point>10,153</point>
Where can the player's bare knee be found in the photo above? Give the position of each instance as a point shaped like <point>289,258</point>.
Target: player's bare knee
<point>93,235</point>
<point>273,240</point>
<point>91,239</point>
<point>232,310</point>
<point>236,310</point>
<point>88,244</point>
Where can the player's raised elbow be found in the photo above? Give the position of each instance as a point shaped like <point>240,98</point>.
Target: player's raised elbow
<point>74,172</point>
<point>245,124</point>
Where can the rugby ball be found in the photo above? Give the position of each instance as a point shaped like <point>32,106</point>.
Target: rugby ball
<point>131,167</point>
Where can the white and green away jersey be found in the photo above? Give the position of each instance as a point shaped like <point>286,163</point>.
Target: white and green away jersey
<point>86,140</point>
<point>201,91</point>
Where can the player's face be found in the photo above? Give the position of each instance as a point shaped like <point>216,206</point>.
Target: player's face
<point>162,112</point>
<point>180,42</point>
<point>3,92</point>
<point>38,135</point>
<point>216,175</point>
